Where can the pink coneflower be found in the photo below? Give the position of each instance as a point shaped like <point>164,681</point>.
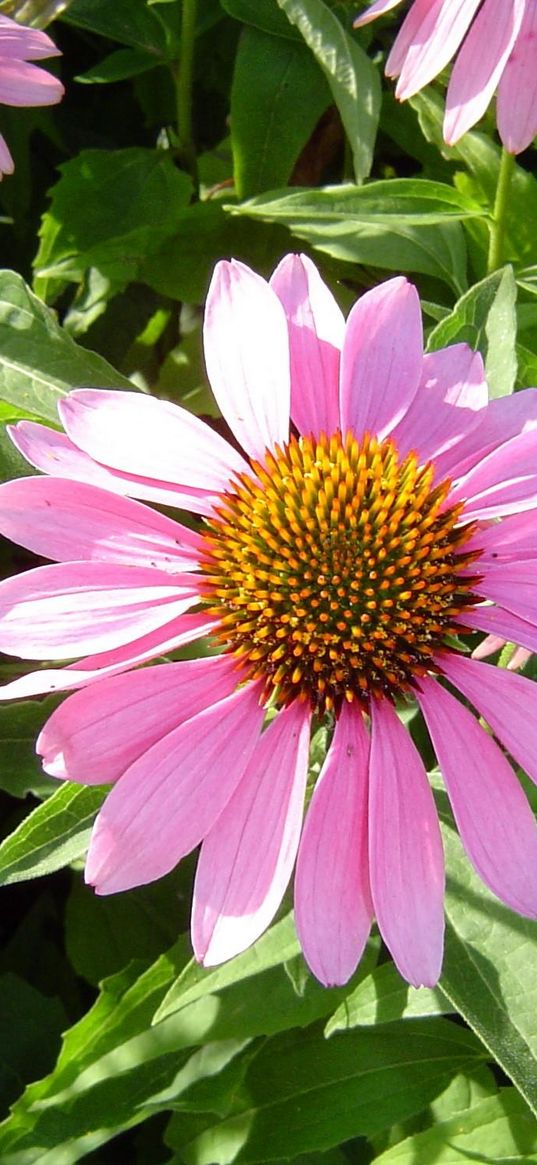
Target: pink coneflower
<point>380,507</point>
<point>22,83</point>
<point>498,54</point>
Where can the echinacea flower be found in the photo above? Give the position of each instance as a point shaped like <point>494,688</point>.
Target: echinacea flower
<point>22,83</point>
<point>381,506</point>
<point>496,42</point>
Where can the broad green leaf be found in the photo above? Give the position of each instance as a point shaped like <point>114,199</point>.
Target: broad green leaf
<point>20,769</point>
<point>110,210</point>
<point>39,362</point>
<point>262,14</point>
<point>499,1128</point>
<point>52,836</point>
<point>30,1029</point>
<point>269,126</point>
<point>130,22</point>
<point>383,997</point>
<point>486,319</point>
<point>115,1069</point>
<point>398,224</point>
<point>489,970</point>
<point>352,77</point>
<point>303,1092</point>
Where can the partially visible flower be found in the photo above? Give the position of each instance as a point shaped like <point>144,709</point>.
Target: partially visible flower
<point>492,643</point>
<point>21,83</point>
<point>497,53</point>
<point>380,506</point>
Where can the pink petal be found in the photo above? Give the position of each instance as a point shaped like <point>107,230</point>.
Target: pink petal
<point>513,585</point>
<point>96,734</point>
<point>512,539</point>
<point>148,437</point>
<point>507,701</point>
<point>496,621</point>
<point>504,418</point>
<point>504,482</point>
<point>23,84</point>
<point>170,798</point>
<point>247,858</point>
<point>480,64</point>
<point>247,356</point>
<point>492,814</point>
<point>375,10</point>
<point>67,521</point>
<point>57,612</point>
<point>405,851</point>
<point>516,105</point>
<point>316,330</point>
<point>333,908</point>
<point>55,454</point>
<point>7,164</point>
<point>448,404</point>
<point>429,38</point>
<point>382,358</point>
<point>25,44</point>
<point>177,633</point>
<point>488,646</point>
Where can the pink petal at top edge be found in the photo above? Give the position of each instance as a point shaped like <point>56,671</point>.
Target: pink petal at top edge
<point>141,435</point>
<point>451,396</point>
<point>185,629</point>
<point>246,346</point>
<point>516,105</point>
<point>247,858</point>
<point>24,43</point>
<point>430,36</point>
<point>507,701</point>
<point>382,358</point>
<point>504,482</point>
<point>504,418</point>
<point>7,164</point>
<point>23,84</point>
<point>496,621</point>
<point>406,862</point>
<point>65,610</point>
<point>68,521</point>
<point>316,330</point>
<point>56,455</point>
<point>170,798</point>
<point>374,11</point>
<point>96,734</point>
<point>333,908</point>
<point>493,817</point>
<point>480,64</point>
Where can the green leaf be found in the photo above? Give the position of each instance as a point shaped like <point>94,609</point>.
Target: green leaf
<point>353,79</point>
<point>489,970</point>
<point>499,1128</point>
<point>20,724</point>
<point>39,362</point>
<point>52,836</point>
<point>262,14</point>
<point>110,210</point>
<point>303,1093</point>
<point>30,1029</point>
<point>399,224</point>
<point>119,66</point>
<point>130,22</point>
<point>486,319</point>
<point>383,997</point>
<point>269,126</point>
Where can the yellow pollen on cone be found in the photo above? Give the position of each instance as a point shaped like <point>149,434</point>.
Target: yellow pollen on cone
<point>335,570</point>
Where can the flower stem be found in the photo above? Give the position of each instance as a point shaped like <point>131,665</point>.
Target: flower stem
<point>506,654</point>
<point>499,214</point>
<point>184,88</point>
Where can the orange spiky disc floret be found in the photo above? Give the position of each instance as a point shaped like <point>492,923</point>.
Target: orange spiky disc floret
<point>335,571</point>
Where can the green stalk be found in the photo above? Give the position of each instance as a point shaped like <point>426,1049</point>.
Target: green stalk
<point>187,149</point>
<point>499,214</point>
